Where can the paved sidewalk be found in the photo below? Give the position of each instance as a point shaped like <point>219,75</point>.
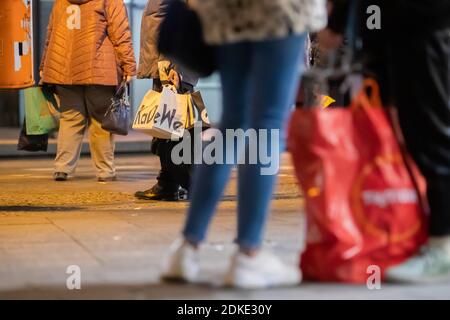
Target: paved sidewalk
<point>134,142</point>
<point>118,242</point>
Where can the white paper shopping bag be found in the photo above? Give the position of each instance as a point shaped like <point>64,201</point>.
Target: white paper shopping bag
<point>171,116</point>
<point>145,116</point>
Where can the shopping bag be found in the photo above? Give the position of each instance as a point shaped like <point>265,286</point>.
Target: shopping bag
<point>157,107</point>
<point>197,112</point>
<point>163,115</point>
<point>145,116</point>
<point>32,143</point>
<point>171,117</point>
<point>362,205</point>
<point>117,117</point>
<point>41,111</point>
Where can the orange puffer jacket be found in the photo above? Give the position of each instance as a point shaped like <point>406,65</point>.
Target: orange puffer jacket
<point>88,42</point>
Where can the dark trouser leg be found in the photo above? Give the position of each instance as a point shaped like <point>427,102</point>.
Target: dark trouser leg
<point>171,175</point>
<point>181,172</point>
<point>166,178</point>
<point>159,148</point>
<point>422,76</point>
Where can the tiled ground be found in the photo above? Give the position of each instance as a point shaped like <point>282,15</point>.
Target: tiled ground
<point>118,242</point>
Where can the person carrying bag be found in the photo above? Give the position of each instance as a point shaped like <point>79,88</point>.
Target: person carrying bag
<point>88,52</point>
<point>171,184</point>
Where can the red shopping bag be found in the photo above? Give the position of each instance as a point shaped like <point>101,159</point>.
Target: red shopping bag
<point>362,204</point>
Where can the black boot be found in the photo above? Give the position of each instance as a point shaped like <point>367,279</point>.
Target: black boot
<point>158,192</point>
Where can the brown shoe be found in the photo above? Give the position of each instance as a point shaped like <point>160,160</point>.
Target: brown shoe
<point>60,176</point>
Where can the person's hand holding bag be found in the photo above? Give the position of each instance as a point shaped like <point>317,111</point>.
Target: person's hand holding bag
<point>174,78</point>
<point>167,73</point>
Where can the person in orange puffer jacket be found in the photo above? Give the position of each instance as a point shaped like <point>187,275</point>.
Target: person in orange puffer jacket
<point>87,53</point>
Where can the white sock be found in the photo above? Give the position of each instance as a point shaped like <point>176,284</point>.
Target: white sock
<point>442,242</point>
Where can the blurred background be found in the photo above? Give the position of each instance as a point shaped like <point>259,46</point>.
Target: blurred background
<point>11,101</point>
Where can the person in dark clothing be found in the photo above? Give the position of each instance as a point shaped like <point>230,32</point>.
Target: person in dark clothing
<point>410,57</point>
<point>155,66</point>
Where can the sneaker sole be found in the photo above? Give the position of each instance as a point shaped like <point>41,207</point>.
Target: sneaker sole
<point>263,283</point>
<point>426,280</point>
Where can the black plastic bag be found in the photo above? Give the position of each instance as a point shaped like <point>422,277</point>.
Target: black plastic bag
<point>32,143</point>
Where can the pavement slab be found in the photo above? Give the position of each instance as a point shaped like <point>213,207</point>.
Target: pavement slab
<point>118,242</point>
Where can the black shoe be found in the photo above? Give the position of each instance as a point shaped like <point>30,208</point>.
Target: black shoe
<point>60,176</point>
<point>157,192</point>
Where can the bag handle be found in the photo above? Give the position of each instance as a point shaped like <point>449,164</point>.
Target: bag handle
<point>122,90</point>
<point>362,99</point>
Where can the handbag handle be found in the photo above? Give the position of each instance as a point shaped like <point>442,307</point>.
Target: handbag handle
<point>122,90</point>
<point>362,99</point>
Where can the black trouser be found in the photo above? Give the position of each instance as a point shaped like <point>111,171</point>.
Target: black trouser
<point>171,176</point>
<point>418,79</point>
<point>423,99</point>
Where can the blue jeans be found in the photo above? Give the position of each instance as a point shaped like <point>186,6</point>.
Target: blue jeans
<point>259,81</point>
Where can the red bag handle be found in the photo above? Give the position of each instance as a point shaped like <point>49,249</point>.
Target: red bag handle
<point>362,99</point>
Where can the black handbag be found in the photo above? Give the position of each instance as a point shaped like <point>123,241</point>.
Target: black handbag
<point>181,40</point>
<point>117,117</point>
<point>32,143</point>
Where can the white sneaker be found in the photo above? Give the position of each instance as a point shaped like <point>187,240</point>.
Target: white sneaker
<point>182,264</point>
<point>263,270</point>
<point>432,264</point>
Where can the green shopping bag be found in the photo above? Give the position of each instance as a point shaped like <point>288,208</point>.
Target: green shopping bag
<point>41,111</point>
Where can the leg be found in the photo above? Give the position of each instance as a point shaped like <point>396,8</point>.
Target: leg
<point>273,87</point>
<point>424,112</point>
<point>165,179</point>
<point>180,173</point>
<point>209,180</point>
<point>423,102</point>
<point>101,142</point>
<point>248,63</point>
<point>73,124</point>
<point>166,188</point>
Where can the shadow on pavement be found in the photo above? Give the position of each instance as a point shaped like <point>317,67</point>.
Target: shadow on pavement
<point>37,208</point>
